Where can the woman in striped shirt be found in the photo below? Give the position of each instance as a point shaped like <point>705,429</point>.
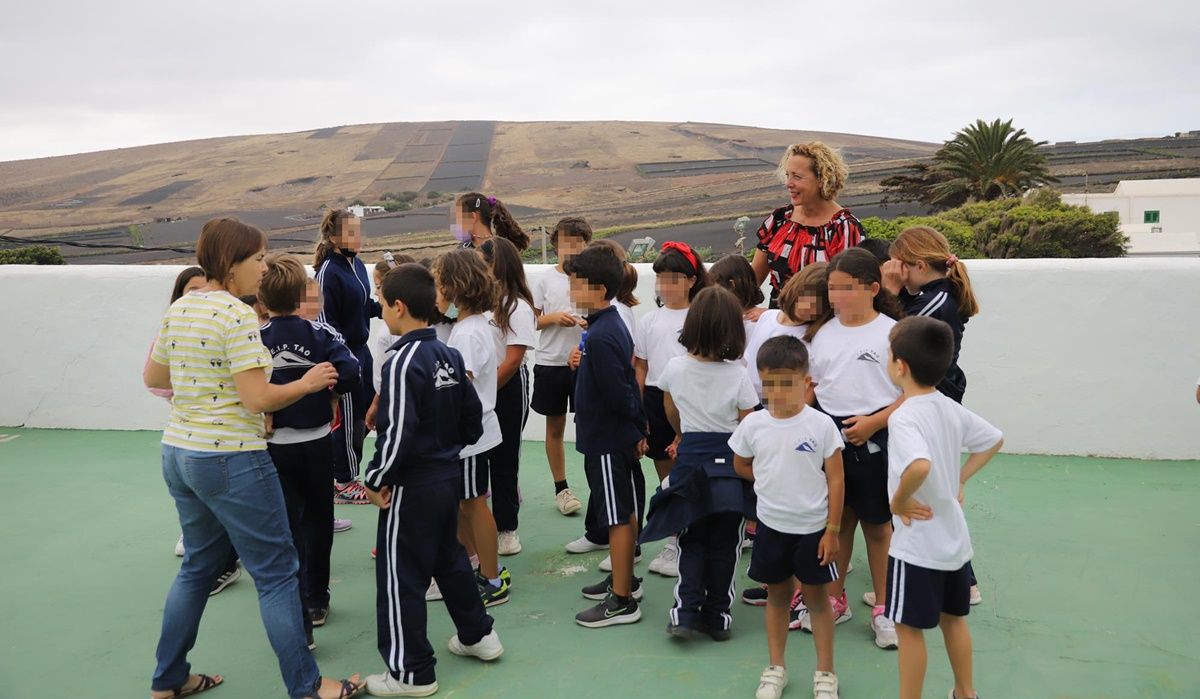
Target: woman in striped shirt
<point>215,463</point>
<point>814,227</point>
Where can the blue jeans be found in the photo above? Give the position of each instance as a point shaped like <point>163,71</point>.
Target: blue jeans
<point>231,499</point>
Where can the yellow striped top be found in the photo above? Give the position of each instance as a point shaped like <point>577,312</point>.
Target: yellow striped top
<point>206,338</point>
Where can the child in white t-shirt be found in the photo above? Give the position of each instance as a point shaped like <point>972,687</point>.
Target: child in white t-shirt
<point>735,273</point>
<point>467,292</point>
<point>705,394</point>
<point>929,581</point>
<point>561,329</point>
<point>679,276</point>
<point>518,335</point>
<point>803,299</point>
<point>793,453</point>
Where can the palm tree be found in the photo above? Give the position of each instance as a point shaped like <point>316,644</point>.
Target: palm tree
<point>989,161</point>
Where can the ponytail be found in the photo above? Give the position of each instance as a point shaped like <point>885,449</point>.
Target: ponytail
<point>496,216</point>
<point>925,244</point>
<point>330,226</point>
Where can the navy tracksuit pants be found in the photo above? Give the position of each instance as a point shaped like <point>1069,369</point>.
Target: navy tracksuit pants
<point>348,438</point>
<point>708,555</point>
<point>416,540</point>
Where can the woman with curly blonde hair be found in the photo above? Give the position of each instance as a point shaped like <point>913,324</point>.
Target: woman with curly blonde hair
<point>814,227</point>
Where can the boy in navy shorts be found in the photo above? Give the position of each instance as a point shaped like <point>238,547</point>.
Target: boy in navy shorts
<point>416,481</point>
<point>793,453</point>
<point>929,581</point>
<point>609,426</point>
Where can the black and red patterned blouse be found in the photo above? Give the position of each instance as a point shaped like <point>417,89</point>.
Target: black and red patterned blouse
<point>789,245</point>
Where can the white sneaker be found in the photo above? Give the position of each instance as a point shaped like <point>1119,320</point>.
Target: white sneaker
<point>584,545</point>
<point>488,648</point>
<point>885,632</point>
<point>825,685</point>
<point>666,563</point>
<point>772,682</point>
<point>434,593</point>
<point>567,503</point>
<point>341,525</point>
<point>976,596</point>
<point>869,598</point>
<point>850,567</point>
<point>387,686</point>
<point>606,564</point>
<point>508,544</point>
<point>179,546</point>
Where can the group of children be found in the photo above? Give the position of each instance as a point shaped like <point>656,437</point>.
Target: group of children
<point>783,429</point>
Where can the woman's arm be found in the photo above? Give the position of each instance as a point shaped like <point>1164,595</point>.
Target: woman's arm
<point>759,265</point>
<point>261,396</point>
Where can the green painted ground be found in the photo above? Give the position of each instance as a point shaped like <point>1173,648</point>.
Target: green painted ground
<point>1085,566</point>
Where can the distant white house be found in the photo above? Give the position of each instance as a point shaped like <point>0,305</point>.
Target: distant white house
<point>1161,217</point>
<point>361,211</point>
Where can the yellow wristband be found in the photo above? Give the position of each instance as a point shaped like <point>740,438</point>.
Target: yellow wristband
<point>835,528</point>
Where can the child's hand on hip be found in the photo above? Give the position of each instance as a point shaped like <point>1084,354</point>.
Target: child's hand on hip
<point>859,429</point>
<point>910,509</point>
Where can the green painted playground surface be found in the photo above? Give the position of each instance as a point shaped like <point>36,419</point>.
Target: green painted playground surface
<point>1085,567</point>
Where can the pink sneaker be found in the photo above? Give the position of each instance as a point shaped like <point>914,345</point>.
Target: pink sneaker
<point>352,493</point>
<point>841,613</point>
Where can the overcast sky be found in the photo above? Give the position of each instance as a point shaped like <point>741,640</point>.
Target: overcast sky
<point>83,76</point>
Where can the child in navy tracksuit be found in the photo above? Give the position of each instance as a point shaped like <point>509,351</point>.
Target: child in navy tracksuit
<point>348,308</point>
<point>705,394</point>
<point>300,444</point>
<point>610,429</point>
<point>428,411</point>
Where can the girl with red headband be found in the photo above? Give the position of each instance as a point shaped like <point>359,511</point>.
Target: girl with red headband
<point>680,275</point>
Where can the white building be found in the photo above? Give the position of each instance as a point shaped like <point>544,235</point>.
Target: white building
<point>1161,217</point>
<point>360,211</point>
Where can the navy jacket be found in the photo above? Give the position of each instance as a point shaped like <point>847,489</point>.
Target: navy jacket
<point>608,410</point>
<point>936,300</point>
<point>296,345</point>
<point>349,308</point>
<point>428,411</point>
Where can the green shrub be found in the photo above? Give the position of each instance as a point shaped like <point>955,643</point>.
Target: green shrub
<point>32,255</point>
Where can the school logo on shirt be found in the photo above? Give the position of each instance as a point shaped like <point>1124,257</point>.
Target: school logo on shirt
<point>443,375</point>
<point>807,446</point>
<point>869,356</point>
<point>288,359</point>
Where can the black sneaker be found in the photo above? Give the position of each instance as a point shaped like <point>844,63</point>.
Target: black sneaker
<point>716,633</point>
<point>492,595</point>
<point>681,631</point>
<point>610,612</point>
<point>312,645</point>
<point>226,579</point>
<point>755,596</point>
<point>318,616</point>
<point>603,589</point>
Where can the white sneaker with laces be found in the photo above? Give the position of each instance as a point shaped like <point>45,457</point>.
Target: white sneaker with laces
<point>869,598</point>
<point>584,545</point>
<point>567,503</point>
<point>508,544</point>
<point>666,563</point>
<point>885,632</point>
<point>772,682</point>
<point>385,685</point>
<point>434,593</point>
<point>825,685</point>
<point>488,647</point>
<point>179,546</point>
<point>606,564</point>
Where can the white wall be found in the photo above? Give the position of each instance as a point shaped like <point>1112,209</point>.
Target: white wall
<point>1094,357</point>
<point>1178,213</point>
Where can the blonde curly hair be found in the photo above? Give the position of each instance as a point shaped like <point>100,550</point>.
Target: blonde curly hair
<point>828,166</point>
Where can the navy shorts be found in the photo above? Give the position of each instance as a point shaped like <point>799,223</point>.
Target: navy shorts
<point>777,557</point>
<point>661,433</point>
<point>865,469</point>
<point>611,476</point>
<point>553,390</point>
<point>476,476</point>
<point>918,596</point>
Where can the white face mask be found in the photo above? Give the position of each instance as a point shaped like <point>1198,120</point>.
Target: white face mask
<point>451,312</point>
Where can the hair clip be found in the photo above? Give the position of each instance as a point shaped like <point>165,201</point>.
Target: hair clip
<point>390,260</point>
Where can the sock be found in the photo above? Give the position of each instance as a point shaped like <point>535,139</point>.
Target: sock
<point>877,610</point>
<point>495,581</point>
<point>621,600</point>
<point>559,486</point>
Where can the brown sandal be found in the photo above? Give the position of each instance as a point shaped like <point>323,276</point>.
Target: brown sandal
<point>206,683</point>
